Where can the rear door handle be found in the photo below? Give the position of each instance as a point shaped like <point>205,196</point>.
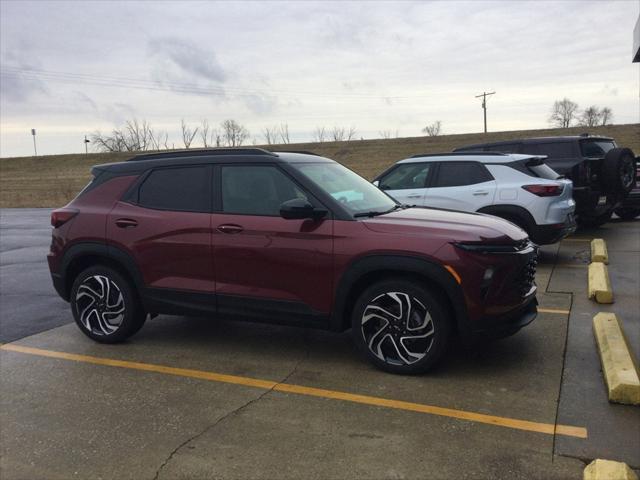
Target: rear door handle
<point>480,193</point>
<point>415,195</point>
<point>126,223</point>
<point>230,228</point>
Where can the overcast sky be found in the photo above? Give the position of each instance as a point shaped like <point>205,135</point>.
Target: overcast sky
<point>70,68</point>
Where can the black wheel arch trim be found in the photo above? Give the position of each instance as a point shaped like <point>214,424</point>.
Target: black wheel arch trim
<point>398,264</point>
<point>86,249</point>
<point>512,211</point>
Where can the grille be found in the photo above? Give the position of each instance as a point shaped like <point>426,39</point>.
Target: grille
<point>527,276</point>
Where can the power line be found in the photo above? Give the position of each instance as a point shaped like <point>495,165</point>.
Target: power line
<point>484,96</point>
<point>179,87</point>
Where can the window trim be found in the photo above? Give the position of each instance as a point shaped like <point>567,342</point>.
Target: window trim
<point>436,176</point>
<point>217,204</point>
<point>132,195</point>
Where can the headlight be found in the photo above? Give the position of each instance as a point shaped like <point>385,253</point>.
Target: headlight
<point>484,248</point>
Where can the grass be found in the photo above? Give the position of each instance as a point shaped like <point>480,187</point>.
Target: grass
<point>53,180</point>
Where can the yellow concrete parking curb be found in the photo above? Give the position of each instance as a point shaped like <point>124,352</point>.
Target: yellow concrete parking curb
<point>599,283</point>
<point>599,251</point>
<point>608,470</point>
<point>618,365</point>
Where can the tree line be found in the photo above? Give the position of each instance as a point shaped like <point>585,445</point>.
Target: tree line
<point>566,113</point>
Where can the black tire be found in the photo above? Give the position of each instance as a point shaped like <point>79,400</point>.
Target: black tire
<point>385,336</point>
<point>619,171</point>
<point>627,213</point>
<point>593,221</point>
<point>105,305</point>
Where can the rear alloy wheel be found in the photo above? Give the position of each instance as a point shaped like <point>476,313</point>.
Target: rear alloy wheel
<point>400,327</point>
<point>104,305</point>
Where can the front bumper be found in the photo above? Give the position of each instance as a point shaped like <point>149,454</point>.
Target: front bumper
<point>507,324</point>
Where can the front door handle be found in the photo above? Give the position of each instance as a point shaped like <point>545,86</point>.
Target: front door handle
<point>126,223</point>
<point>230,228</point>
<point>480,193</point>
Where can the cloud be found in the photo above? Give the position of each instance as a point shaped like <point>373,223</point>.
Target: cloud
<point>17,84</point>
<point>183,61</point>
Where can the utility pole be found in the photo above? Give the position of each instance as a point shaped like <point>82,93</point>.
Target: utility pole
<point>33,133</point>
<point>484,96</point>
<point>86,145</point>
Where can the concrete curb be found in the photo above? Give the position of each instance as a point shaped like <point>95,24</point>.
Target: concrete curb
<point>608,470</point>
<point>599,251</point>
<point>618,365</point>
<point>599,283</point>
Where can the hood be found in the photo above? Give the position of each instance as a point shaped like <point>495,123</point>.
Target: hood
<point>447,224</point>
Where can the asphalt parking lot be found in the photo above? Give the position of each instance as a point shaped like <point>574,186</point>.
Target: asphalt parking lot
<point>199,398</point>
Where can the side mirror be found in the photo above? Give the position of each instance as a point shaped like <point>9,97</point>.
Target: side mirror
<point>299,209</point>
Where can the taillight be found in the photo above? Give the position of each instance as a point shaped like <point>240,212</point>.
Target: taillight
<point>544,190</point>
<point>61,216</point>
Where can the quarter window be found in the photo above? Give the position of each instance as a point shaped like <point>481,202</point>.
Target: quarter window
<point>456,174</point>
<point>409,175</point>
<point>181,189</point>
<point>256,190</point>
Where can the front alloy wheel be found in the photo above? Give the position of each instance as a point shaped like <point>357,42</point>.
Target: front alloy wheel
<point>397,328</point>
<point>400,326</point>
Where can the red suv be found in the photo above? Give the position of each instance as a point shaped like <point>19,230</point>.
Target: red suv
<point>290,238</point>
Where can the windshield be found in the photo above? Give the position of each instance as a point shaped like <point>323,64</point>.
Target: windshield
<point>355,193</point>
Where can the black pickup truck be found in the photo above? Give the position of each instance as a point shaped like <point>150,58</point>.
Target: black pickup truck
<point>602,173</point>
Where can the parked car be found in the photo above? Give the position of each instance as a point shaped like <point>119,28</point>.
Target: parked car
<point>602,173</point>
<point>289,238</point>
<point>518,188</point>
<point>630,207</point>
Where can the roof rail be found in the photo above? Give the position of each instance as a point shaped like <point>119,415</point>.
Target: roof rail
<point>202,153</point>
<point>304,152</point>
<point>458,154</point>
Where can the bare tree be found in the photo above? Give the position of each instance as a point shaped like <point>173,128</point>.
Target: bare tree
<point>339,134</point>
<point>563,112</point>
<point>590,117</point>
<point>319,134</point>
<point>216,137</point>
<point>606,116</point>
<point>284,133</point>
<point>132,137</point>
<point>351,133</point>
<point>434,129</point>
<point>187,134</point>
<point>386,134</point>
<point>270,135</point>
<point>204,133</point>
<point>233,133</point>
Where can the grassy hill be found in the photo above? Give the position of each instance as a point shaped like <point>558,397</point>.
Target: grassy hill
<point>51,181</point>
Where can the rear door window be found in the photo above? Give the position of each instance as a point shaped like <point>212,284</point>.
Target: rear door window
<point>455,174</point>
<point>406,176</point>
<point>184,189</point>
<point>506,148</point>
<point>596,148</point>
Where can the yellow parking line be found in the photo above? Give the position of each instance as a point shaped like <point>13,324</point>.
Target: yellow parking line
<point>554,310</point>
<point>548,428</point>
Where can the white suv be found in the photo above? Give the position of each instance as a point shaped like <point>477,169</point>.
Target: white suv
<point>518,188</point>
